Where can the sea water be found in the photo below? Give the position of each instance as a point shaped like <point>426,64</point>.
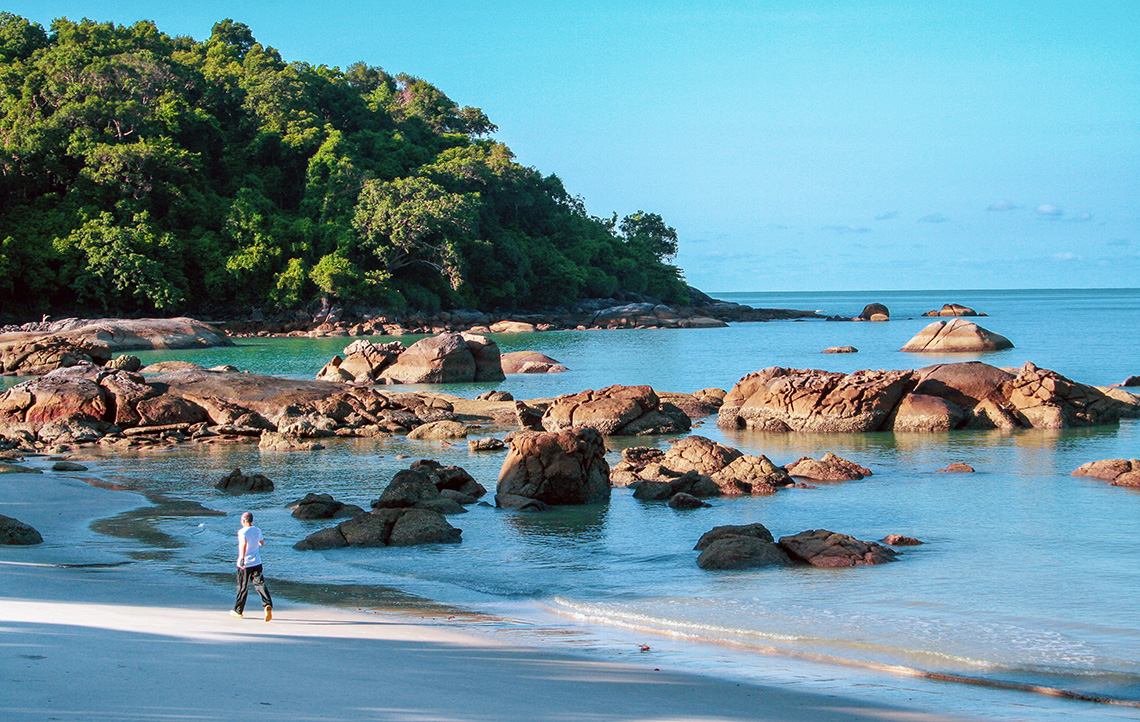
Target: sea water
<point>1027,580</point>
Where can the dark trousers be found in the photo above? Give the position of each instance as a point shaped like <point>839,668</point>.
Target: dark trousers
<point>246,577</point>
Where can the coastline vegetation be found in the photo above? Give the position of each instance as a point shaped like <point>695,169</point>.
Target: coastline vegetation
<point>145,173</point>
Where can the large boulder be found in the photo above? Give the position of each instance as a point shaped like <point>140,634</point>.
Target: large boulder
<point>956,336</point>
<point>563,467</point>
<point>439,430</point>
<point>828,468</point>
<point>616,411</point>
<point>236,482</point>
<point>742,552</point>
<point>757,531</point>
<point>382,528</point>
<point>874,312</point>
<point>408,488</point>
<point>1045,399</point>
<point>783,399</point>
<point>935,398</point>
<point>1121,472</point>
<point>16,532</point>
<point>363,362</point>
<point>530,362</point>
<point>447,358</point>
<point>45,346</point>
<point>823,548</point>
<point>322,506</point>
<point>37,355</point>
<point>698,466</point>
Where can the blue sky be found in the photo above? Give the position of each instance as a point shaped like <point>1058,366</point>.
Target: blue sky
<point>794,146</point>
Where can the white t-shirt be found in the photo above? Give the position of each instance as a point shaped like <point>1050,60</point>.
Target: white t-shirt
<point>252,536</point>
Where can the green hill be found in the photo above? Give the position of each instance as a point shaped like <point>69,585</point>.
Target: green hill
<point>147,173</point>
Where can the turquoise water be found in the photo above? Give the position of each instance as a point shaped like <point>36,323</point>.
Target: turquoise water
<point>1029,576</point>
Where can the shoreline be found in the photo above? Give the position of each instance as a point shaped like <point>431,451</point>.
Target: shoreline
<point>163,644</point>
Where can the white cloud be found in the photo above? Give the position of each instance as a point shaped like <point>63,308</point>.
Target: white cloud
<point>1065,256</point>
<point>1048,210</point>
<point>847,229</point>
<point>1080,218</point>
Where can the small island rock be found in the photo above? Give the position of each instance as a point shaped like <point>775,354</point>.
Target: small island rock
<point>956,336</point>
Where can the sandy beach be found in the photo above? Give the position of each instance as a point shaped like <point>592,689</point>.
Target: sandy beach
<point>92,634</point>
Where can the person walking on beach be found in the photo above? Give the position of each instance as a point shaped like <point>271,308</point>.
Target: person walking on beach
<point>250,541</point>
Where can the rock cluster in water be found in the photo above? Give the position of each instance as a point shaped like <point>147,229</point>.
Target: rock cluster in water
<point>751,546</point>
<point>703,468</point>
<point>616,411</point>
<point>935,398</point>
<point>446,358</point>
<point>1121,472</point>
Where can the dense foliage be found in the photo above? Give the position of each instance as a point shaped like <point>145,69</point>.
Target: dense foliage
<point>144,172</point>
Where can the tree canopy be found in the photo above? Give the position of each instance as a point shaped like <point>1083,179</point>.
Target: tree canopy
<point>141,172</point>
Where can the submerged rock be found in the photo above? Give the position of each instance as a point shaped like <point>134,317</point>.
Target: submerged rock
<point>823,548</point>
<point>384,527</point>
<point>16,533</point>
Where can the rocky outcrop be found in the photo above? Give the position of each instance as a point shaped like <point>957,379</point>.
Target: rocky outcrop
<point>530,362</point>
<point>563,467</point>
<point>1121,472</point>
<point>616,411</point>
<point>823,548</point>
<point>439,430</point>
<point>956,336</point>
<point>748,546</point>
<point>840,349</point>
<point>782,399</point>
<point>874,312</point>
<point>37,355</point>
<point>935,398</point>
<point>91,402</point>
<point>447,358</point>
<point>322,506</point>
<point>486,443</point>
<point>363,363</point>
<point>125,362</point>
<point>382,528</point>
<point>122,334</point>
<point>698,466</point>
<point>16,533</point>
<point>236,482</point>
<point>953,309</point>
<point>828,468</point>
<point>430,485</point>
